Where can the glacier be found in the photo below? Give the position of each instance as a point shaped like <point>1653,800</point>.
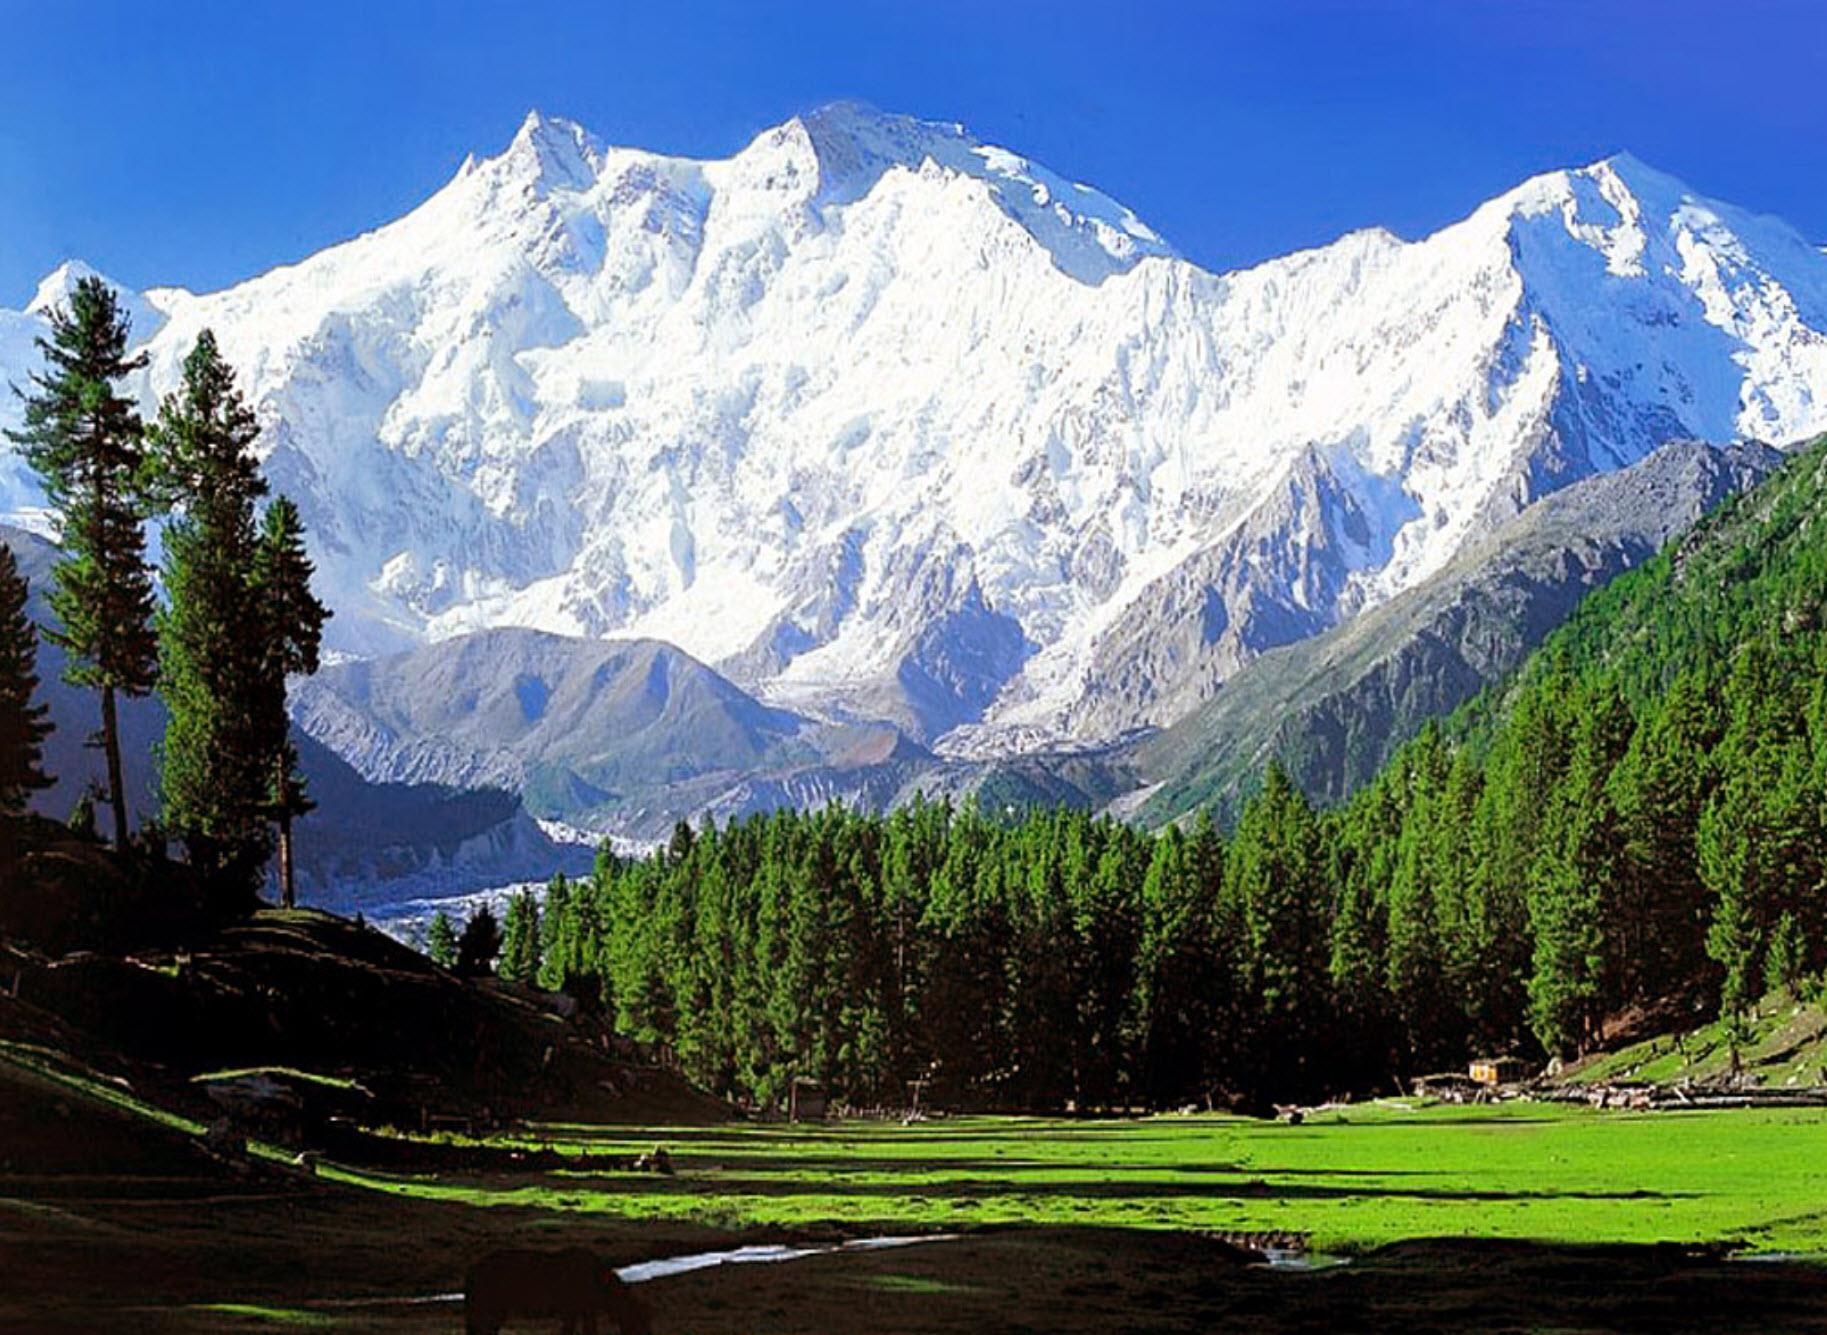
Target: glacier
<point>885,423</point>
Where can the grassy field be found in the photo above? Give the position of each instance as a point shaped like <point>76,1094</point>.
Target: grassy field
<point>113,1218</point>
<point>1353,1179</point>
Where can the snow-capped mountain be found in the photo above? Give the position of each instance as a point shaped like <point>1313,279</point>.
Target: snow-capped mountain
<point>886,422</point>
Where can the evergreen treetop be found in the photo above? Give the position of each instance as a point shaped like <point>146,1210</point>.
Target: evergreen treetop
<point>441,940</point>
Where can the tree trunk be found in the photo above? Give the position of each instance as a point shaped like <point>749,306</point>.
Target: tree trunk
<point>117,788</point>
<point>284,794</point>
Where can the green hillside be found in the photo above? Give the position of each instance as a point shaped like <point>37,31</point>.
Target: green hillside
<point>1638,813</point>
<point>1752,572</point>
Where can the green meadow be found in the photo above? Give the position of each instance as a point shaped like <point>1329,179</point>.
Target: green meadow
<point>1352,1178</point>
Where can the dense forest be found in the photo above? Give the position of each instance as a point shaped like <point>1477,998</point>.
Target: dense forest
<point>1638,820</point>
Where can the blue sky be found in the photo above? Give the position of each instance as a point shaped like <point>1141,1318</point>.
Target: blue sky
<point>199,143</point>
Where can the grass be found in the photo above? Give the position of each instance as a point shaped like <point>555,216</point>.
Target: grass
<point>48,1064</point>
<point>52,1066</point>
<point>1353,1179</point>
<point>267,1317</point>
<point>917,1284</point>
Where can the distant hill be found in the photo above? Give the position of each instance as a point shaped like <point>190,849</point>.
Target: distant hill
<point>1753,570</point>
<point>1631,822</point>
<point>624,735</point>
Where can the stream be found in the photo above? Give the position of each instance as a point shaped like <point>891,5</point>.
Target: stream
<point>1276,1258</point>
<point>766,1254</point>
<point>641,1272</point>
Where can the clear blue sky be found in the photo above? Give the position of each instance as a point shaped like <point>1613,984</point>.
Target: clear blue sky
<point>198,142</point>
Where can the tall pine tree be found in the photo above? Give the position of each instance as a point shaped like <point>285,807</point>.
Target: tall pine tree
<point>1275,884</point>
<point>85,441</point>
<point>441,940</point>
<point>213,773</point>
<point>291,622</point>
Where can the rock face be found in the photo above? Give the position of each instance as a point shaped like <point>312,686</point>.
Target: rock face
<point>1281,575</point>
<point>886,423</point>
<point>1334,707</point>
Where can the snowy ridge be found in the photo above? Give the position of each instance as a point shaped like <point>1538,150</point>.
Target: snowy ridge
<point>886,422</point>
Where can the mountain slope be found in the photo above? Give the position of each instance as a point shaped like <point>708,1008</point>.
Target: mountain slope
<point>621,735</point>
<point>890,423</point>
<point>1333,708</point>
<point>1754,571</point>
<point>1629,825</point>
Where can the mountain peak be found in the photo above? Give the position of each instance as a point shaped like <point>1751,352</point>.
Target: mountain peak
<point>853,145</point>
<point>1647,183</point>
<point>558,152</point>
<point>857,128</point>
<point>55,288</point>
<point>1612,177</point>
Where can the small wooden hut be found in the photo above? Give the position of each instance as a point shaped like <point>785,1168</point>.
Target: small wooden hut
<point>1505,1070</point>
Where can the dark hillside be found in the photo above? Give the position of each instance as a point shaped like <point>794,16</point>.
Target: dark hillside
<point>306,992</point>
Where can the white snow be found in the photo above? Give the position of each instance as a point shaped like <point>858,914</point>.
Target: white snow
<point>606,392</point>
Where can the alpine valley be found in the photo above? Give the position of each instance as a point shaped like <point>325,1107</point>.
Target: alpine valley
<point>877,459</point>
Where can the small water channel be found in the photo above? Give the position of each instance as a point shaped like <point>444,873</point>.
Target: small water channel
<point>1299,1258</point>
<point>765,1254</point>
<point>1276,1258</point>
<point>643,1271</point>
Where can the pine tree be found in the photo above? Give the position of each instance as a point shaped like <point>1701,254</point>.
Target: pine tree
<point>84,440</point>
<point>213,771</point>
<point>520,940</point>
<point>1660,789</point>
<point>1754,843</point>
<point>1274,884</point>
<point>1416,961</point>
<point>1528,758</point>
<point>557,934</point>
<point>81,822</point>
<point>23,727</point>
<point>441,940</point>
<point>1175,968</point>
<point>291,630</point>
<point>1573,888</point>
<point>479,943</point>
<point>1787,960</point>
<point>22,723</point>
